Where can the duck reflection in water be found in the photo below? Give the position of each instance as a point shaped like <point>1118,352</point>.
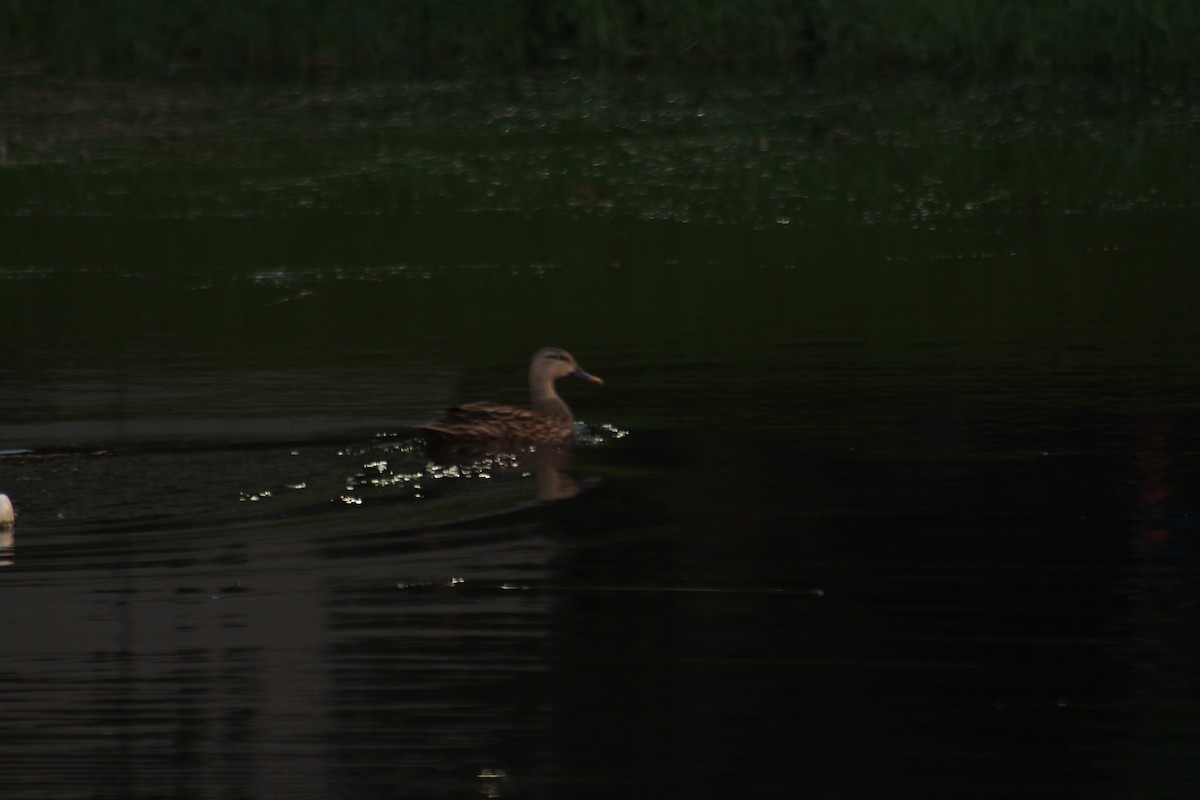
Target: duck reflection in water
<point>540,437</point>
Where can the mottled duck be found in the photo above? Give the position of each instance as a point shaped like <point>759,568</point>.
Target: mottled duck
<point>549,420</point>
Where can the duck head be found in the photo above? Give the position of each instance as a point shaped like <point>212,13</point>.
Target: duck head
<point>551,363</point>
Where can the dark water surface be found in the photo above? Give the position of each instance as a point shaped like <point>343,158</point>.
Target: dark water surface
<point>890,491</point>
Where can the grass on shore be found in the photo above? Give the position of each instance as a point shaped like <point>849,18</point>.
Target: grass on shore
<point>1140,36</point>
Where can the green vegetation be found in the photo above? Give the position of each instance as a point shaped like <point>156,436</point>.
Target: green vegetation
<point>1141,36</point>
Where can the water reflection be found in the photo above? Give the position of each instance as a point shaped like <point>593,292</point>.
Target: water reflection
<point>1160,622</point>
<point>548,464</point>
<point>416,469</point>
<point>470,640</point>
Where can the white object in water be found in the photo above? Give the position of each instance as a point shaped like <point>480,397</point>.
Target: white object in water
<point>7,515</point>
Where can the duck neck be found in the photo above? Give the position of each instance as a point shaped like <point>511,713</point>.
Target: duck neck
<point>546,401</point>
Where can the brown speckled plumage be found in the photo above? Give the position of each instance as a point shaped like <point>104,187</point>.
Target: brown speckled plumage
<point>549,419</point>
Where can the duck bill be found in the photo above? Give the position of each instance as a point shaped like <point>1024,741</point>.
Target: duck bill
<point>586,376</point>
